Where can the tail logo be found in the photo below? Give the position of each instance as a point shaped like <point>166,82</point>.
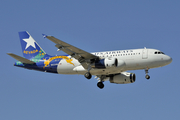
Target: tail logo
<point>30,47</point>
<point>30,42</point>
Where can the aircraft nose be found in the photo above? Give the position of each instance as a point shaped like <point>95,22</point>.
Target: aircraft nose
<point>168,60</point>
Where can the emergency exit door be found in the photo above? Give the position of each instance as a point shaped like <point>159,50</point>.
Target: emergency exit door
<point>145,54</point>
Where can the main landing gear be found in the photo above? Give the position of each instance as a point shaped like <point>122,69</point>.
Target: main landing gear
<point>147,76</point>
<point>101,80</point>
<point>99,84</point>
<point>88,75</point>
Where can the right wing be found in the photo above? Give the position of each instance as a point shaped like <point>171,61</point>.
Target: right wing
<point>82,56</point>
<point>21,59</point>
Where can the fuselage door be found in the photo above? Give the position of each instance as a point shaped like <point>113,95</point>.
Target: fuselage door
<point>144,53</point>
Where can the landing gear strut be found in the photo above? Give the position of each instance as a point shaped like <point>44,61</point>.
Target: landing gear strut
<point>147,76</point>
<point>88,75</point>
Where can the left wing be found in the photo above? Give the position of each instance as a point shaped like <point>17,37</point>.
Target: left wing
<point>82,56</point>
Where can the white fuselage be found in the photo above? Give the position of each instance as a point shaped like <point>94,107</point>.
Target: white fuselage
<point>134,59</point>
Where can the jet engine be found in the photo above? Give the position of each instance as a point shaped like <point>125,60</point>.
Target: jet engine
<point>123,78</point>
<point>105,63</point>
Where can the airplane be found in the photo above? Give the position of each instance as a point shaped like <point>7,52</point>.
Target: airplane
<point>108,65</point>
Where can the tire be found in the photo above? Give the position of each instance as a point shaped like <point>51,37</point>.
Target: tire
<point>88,75</point>
<point>100,85</point>
<point>147,77</point>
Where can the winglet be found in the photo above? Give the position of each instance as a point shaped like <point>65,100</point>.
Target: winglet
<point>44,35</point>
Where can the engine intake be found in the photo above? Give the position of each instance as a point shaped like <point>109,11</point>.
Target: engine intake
<point>123,78</point>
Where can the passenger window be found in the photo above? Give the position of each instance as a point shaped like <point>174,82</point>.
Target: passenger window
<point>155,52</point>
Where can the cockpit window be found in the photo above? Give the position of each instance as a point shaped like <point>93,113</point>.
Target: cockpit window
<point>158,52</point>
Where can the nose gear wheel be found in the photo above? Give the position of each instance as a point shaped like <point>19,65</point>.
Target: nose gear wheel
<point>147,76</point>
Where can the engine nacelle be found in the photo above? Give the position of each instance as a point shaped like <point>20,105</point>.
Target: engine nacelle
<point>105,63</point>
<point>123,78</point>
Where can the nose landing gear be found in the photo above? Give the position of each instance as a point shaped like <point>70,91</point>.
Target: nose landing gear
<point>147,76</point>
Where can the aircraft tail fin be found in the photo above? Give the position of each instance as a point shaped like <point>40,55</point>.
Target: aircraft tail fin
<point>21,59</point>
<point>30,47</point>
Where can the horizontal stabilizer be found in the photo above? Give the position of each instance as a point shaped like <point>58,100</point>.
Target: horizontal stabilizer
<point>21,59</point>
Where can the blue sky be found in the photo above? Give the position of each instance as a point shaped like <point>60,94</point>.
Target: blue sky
<point>95,25</point>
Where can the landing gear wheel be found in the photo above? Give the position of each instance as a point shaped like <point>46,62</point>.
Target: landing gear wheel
<point>147,77</point>
<point>100,85</point>
<point>88,75</point>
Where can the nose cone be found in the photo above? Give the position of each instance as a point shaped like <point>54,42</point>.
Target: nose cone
<point>168,60</point>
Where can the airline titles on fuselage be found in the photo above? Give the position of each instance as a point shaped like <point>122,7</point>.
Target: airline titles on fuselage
<point>115,53</point>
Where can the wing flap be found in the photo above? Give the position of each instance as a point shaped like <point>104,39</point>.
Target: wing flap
<point>21,59</point>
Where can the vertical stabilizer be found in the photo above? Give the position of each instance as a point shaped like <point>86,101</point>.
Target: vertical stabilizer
<point>30,47</point>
